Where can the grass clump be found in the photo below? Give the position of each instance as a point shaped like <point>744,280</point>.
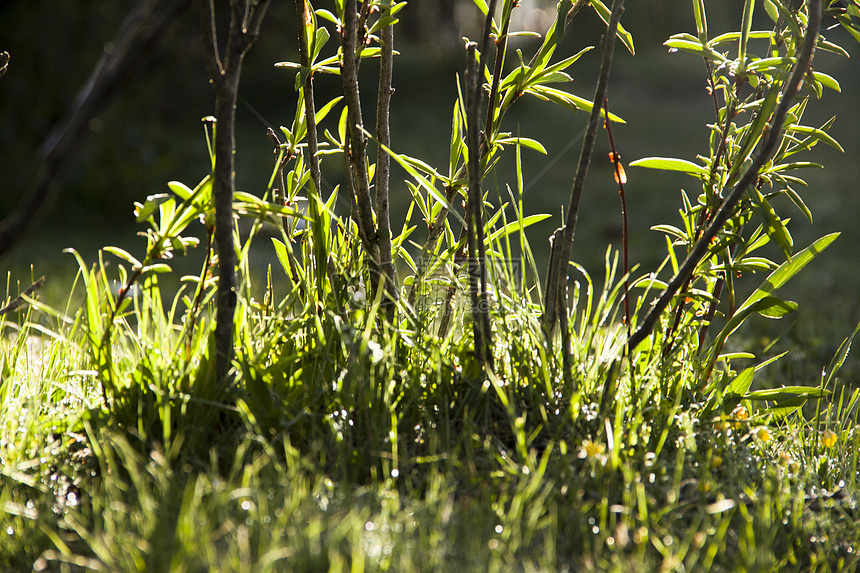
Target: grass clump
<point>452,420</point>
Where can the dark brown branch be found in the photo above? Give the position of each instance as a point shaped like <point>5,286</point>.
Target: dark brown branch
<point>383,169</point>
<point>245,21</point>
<point>303,16</point>
<point>501,48</point>
<point>140,29</point>
<point>749,177</point>
<point>307,34</point>
<point>15,303</point>
<point>474,219</point>
<point>357,149</point>
<point>557,273</point>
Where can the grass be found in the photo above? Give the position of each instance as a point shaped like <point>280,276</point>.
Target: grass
<point>353,451</point>
<point>348,442</point>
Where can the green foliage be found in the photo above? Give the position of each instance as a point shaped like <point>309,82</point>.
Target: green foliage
<point>351,440</point>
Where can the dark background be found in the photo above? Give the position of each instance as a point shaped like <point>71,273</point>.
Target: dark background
<point>151,133</point>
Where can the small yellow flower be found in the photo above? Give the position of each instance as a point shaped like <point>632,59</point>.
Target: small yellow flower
<point>828,439</point>
<point>591,449</point>
<point>723,426</point>
<point>716,461</point>
<point>763,434</point>
<point>740,414</point>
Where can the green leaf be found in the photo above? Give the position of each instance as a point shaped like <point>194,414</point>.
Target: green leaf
<point>840,356</point>
<point>322,36</point>
<point>735,36</point>
<point>671,164</point>
<point>792,166</point>
<point>827,81</point>
<point>787,393</point>
<point>145,211</point>
<point>523,141</point>
<point>156,268</point>
<point>180,189</point>
<point>324,111</point>
<point>798,202</point>
<point>780,64</point>
<point>124,255</point>
<point>746,27</point>
<point>694,47</point>
<point>742,381</point>
<point>622,34</point>
<point>786,271</point>
<point>701,19</point>
<point>818,134</point>
<point>568,100</point>
<point>774,226</point>
<point>772,307</point>
<point>482,6</point>
<point>514,226</point>
<point>672,231</point>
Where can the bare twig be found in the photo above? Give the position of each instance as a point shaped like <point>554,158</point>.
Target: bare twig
<point>501,48</point>
<point>303,9</point>
<point>749,177</point>
<point>15,303</point>
<point>140,29</point>
<point>557,273</point>
<point>620,178</point>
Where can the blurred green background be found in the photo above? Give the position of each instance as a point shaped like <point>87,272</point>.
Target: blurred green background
<point>151,133</point>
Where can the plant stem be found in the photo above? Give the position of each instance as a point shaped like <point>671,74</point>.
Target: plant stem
<point>625,233</point>
<point>474,212</point>
<point>139,30</point>
<point>560,255</point>
<point>501,47</point>
<point>305,32</point>
<point>356,150</point>
<point>699,251</point>
<point>383,169</point>
<point>224,74</point>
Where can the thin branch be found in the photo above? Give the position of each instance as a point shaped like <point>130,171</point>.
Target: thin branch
<point>383,168</point>
<point>245,21</point>
<point>557,273</point>
<point>774,137</point>
<point>356,151</point>
<point>15,303</point>
<point>474,219</point>
<point>620,178</point>
<point>306,33</point>
<point>209,35</point>
<point>304,18</point>
<point>140,29</point>
<point>501,48</point>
